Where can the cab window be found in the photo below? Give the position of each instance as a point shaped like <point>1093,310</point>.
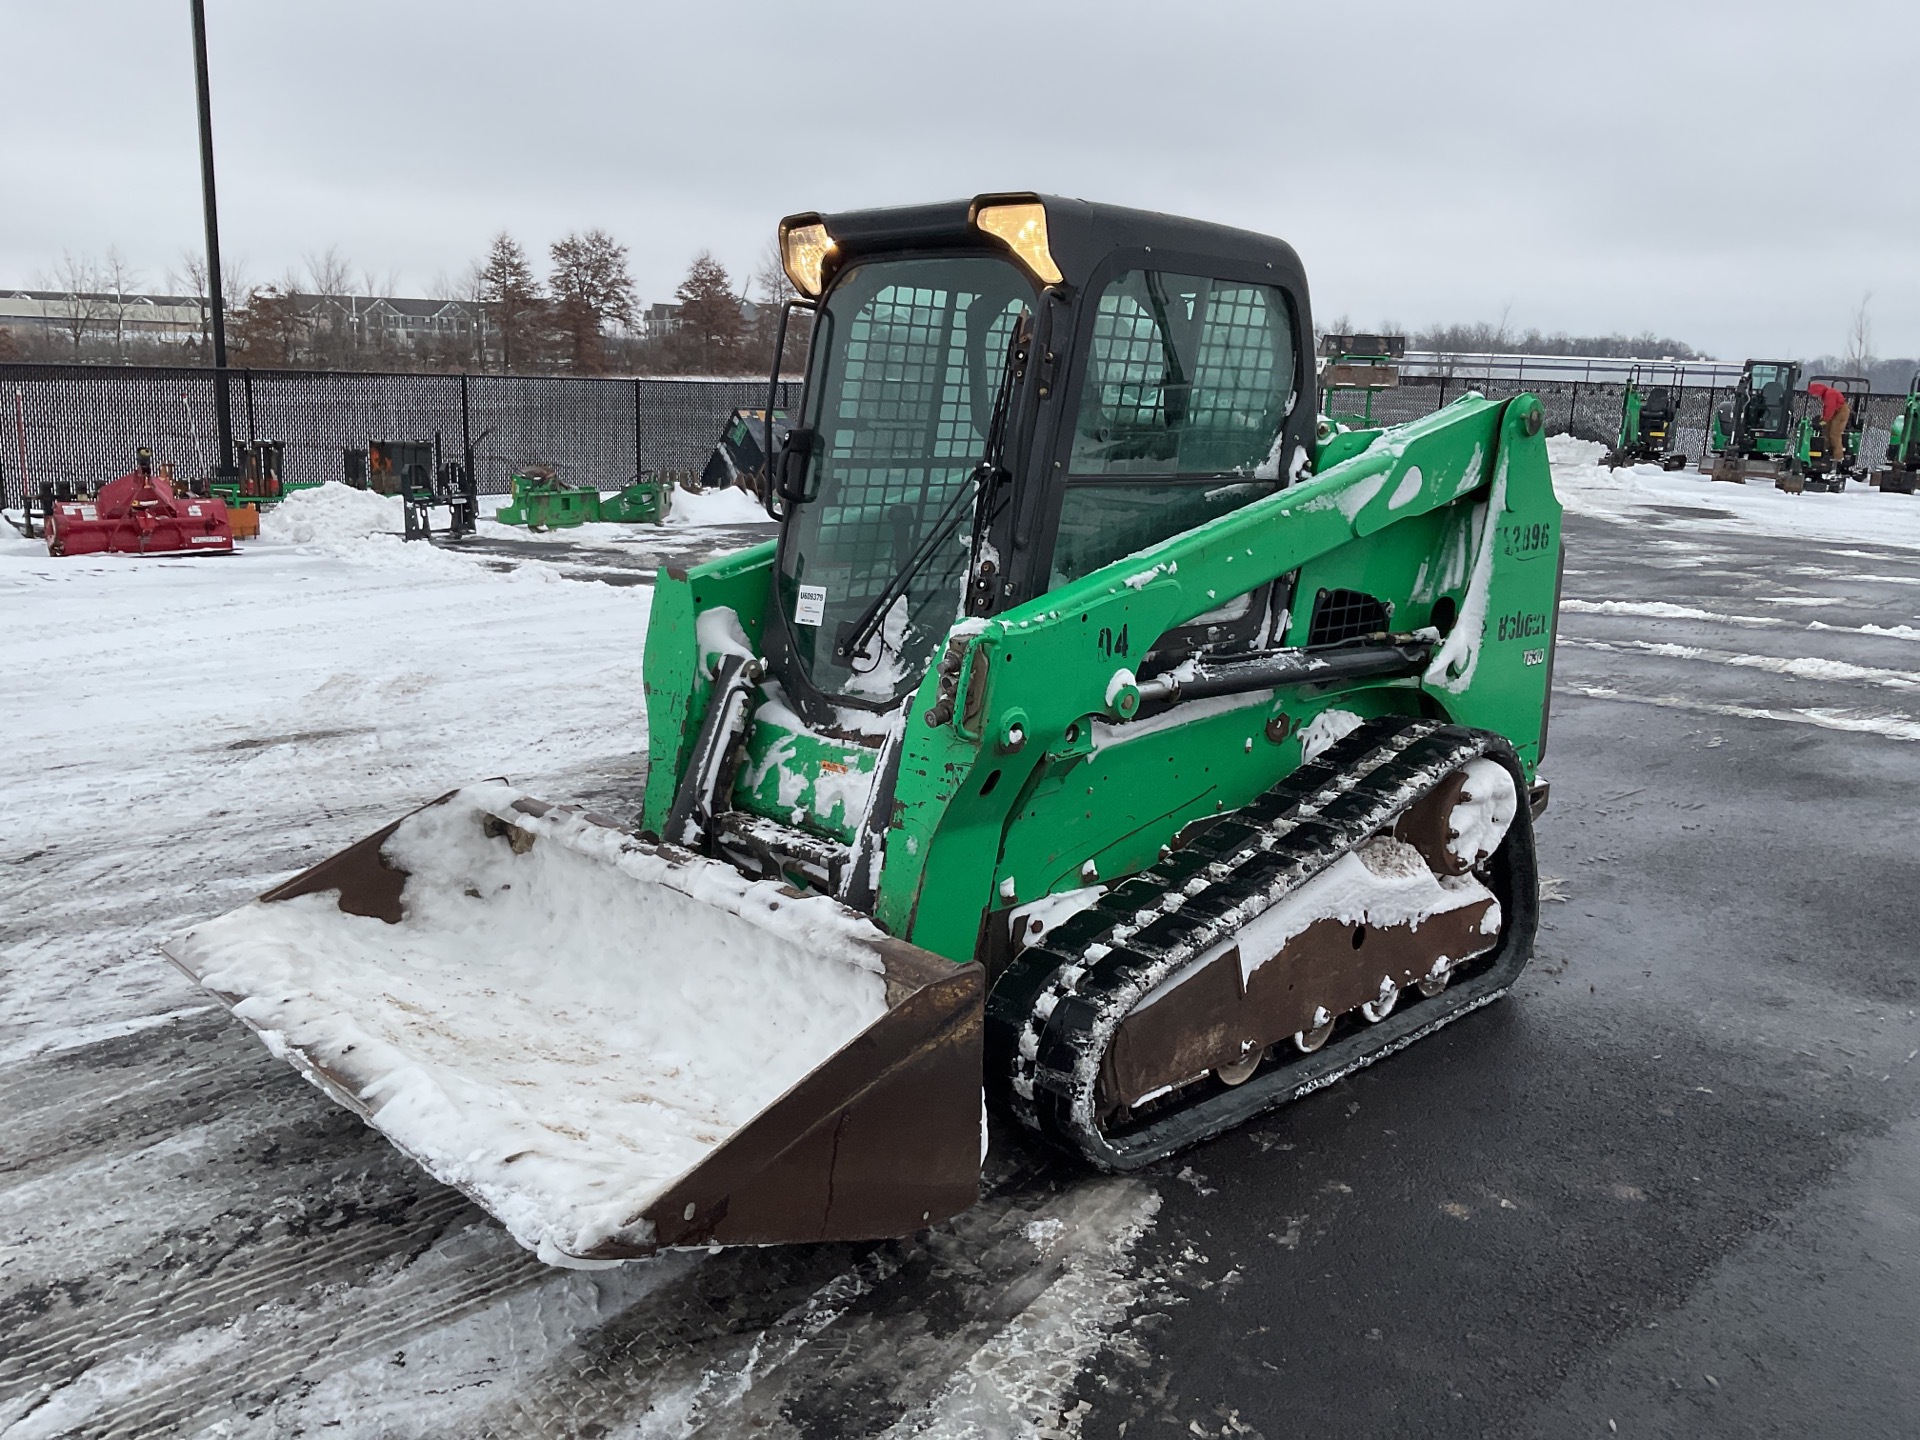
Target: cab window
<point>1187,388</point>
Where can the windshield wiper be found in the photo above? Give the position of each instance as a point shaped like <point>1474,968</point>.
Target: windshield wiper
<point>851,640</point>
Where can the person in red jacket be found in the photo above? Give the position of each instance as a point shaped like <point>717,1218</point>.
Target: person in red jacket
<point>1835,412</point>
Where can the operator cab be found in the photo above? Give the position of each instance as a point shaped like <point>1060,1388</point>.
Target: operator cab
<point>1004,395</point>
<point>1767,388</point>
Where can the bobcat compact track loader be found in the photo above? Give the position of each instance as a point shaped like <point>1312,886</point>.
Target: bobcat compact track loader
<point>1099,730</point>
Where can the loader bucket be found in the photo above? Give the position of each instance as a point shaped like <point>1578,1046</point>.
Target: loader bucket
<point>615,1047</point>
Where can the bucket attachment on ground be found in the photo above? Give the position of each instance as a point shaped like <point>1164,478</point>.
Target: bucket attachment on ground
<point>542,502</point>
<point>614,1046</point>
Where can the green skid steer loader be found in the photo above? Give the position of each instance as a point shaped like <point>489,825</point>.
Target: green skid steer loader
<point>1093,740</point>
<point>1903,446</point>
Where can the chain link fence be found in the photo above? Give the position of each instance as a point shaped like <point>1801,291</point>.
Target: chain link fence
<point>81,424</point>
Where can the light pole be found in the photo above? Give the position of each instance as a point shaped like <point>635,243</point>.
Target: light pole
<point>222,417</point>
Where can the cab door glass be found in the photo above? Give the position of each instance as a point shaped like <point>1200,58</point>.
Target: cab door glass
<point>1187,388</point>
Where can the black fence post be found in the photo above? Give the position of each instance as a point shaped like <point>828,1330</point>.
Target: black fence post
<point>1573,404</point>
<point>466,428</point>
<point>246,381</point>
<point>640,465</point>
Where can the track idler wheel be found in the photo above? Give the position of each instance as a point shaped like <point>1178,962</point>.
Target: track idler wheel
<point>1381,1006</point>
<point>1308,1041</point>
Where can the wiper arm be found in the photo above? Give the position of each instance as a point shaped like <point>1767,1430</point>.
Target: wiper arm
<point>854,636</point>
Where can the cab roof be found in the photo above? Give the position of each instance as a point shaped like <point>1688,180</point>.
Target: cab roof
<point>1081,234</point>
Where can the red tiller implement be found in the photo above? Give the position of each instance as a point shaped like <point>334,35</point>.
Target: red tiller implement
<point>139,514</point>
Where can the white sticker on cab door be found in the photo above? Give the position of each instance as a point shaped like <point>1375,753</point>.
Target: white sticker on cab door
<point>810,607</point>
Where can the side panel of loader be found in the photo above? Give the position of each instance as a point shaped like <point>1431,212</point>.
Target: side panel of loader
<point>1013,739</point>
<point>674,671</point>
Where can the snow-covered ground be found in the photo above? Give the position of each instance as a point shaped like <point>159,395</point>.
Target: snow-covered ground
<point>186,731</point>
<point>1861,512</point>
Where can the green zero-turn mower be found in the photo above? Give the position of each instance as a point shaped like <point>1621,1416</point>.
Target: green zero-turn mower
<point>1148,762</point>
<point>1752,435</point>
<point>1903,445</point>
<point>1647,415</point>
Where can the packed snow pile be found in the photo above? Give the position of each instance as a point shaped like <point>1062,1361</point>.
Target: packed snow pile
<point>1635,494</point>
<point>1566,450</point>
<point>562,1028</point>
<point>716,507</point>
<point>332,516</point>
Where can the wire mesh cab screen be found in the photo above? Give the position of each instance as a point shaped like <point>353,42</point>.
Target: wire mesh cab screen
<point>1187,389</point>
<point>907,357</point>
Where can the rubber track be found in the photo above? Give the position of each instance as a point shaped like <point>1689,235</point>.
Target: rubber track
<point>1054,1011</point>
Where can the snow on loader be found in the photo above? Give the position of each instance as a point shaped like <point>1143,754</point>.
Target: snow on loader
<point>1095,731</point>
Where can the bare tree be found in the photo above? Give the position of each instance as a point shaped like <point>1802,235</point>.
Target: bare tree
<point>334,325</point>
<point>468,290</point>
<point>77,279</point>
<point>774,291</point>
<point>119,282</point>
<point>190,280</point>
<point>1860,357</point>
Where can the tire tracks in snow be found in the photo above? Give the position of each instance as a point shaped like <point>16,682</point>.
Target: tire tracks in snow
<point>993,1314</point>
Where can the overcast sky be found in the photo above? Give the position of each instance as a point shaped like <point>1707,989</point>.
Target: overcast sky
<point>1585,167</point>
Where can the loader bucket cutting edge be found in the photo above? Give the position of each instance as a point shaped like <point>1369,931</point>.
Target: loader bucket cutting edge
<point>614,1047</point>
